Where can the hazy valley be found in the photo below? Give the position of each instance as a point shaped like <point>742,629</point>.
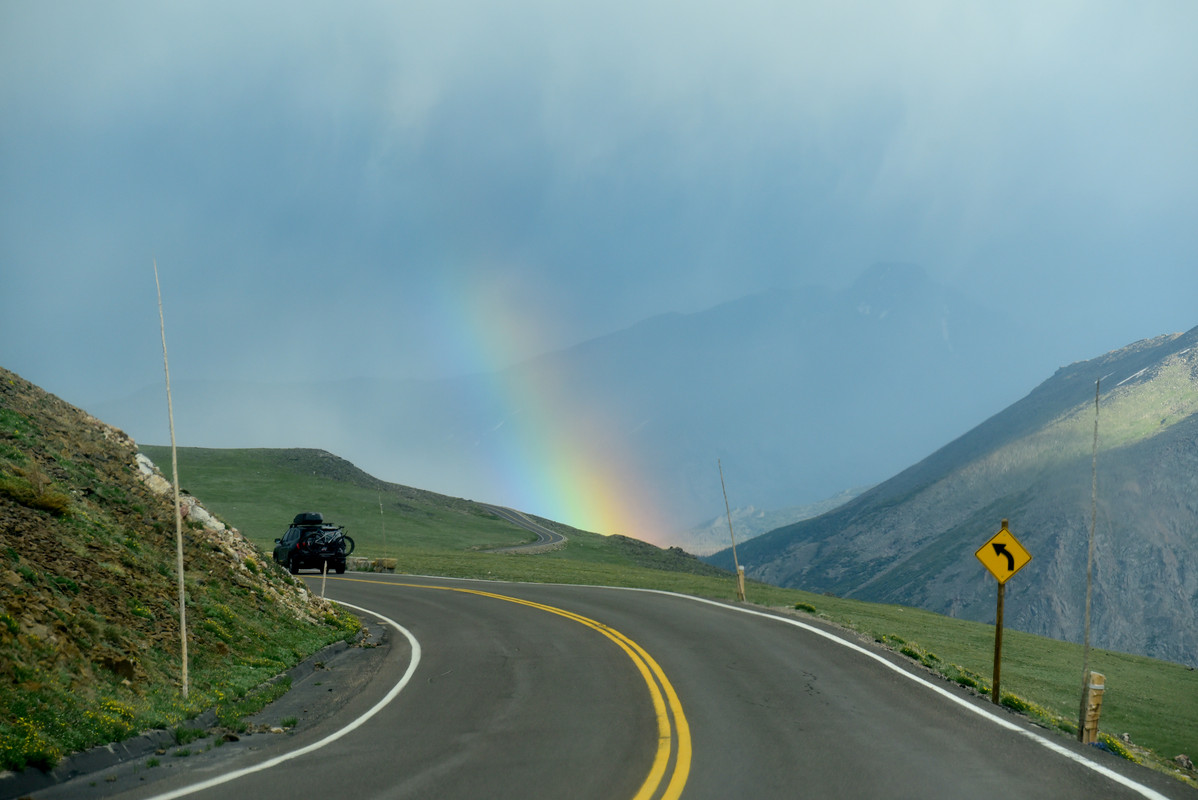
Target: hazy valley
<point>800,394</point>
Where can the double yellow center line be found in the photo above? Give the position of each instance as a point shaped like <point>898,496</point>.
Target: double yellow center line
<point>673,733</point>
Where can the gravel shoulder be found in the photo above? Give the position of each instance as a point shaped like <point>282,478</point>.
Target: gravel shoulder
<point>323,686</point>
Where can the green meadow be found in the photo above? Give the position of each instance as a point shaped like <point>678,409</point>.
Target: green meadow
<point>258,492</point>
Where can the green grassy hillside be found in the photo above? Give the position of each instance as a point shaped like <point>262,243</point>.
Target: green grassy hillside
<point>90,651</point>
<point>259,491</point>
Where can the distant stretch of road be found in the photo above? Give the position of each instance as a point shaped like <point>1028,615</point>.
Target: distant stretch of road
<point>545,536</point>
<point>527,690</point>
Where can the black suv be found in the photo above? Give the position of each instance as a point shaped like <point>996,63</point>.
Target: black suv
<point>310,543</point>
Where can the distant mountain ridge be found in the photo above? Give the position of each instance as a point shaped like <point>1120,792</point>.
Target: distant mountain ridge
<point>800,393</point>
<point>912,538</point>
<point>749,522</point>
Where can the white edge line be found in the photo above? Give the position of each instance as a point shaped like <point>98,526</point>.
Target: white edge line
<point>1150,793</point>
<point>332,737</point>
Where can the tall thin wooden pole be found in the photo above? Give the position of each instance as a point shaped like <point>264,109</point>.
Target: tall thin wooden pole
<point>170,411</point>
<point>740,586</point>
<point>1081,717</point>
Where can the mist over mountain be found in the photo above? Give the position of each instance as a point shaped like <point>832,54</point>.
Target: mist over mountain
<point>800,393</point>
<point>748,521</point>
<point>912,538</point>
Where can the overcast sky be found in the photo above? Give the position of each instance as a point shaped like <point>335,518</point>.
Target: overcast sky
<point>405,189</point>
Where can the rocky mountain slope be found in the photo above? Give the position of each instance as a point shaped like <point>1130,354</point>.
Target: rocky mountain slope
<point>89,623</point>
<point>912,538</point>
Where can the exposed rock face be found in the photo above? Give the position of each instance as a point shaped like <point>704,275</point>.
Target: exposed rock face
<point>912,539</point>
<point>151,476</point>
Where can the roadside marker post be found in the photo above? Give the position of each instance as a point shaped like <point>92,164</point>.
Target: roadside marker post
<point>1092,706</point>
<point>1003,556</point>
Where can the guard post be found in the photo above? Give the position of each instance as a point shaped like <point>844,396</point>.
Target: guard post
<point>1095,687</point>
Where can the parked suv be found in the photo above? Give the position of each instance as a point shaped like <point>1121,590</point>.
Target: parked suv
<point>310,543</point>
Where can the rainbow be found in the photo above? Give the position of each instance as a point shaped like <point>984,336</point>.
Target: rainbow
<point>547,455</point>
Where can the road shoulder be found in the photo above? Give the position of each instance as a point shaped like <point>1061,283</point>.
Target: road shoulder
<point>326,691</point>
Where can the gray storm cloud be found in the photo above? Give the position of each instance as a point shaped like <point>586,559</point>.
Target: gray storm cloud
<point>594,163</point>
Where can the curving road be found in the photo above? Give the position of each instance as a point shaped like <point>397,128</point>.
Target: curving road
<point>547,539</point>
<point>525,690</point>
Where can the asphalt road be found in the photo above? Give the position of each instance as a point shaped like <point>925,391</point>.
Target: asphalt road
<point>514,690</point>
<point>545,536</point>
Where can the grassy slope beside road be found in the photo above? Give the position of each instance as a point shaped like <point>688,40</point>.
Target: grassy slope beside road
<point>89,636</point>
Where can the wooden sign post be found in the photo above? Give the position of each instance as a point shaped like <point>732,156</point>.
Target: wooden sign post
<point>1002,590</point>
<point>1003,556</point>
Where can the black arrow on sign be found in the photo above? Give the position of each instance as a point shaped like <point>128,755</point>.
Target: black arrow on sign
<point>1000,549</point>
